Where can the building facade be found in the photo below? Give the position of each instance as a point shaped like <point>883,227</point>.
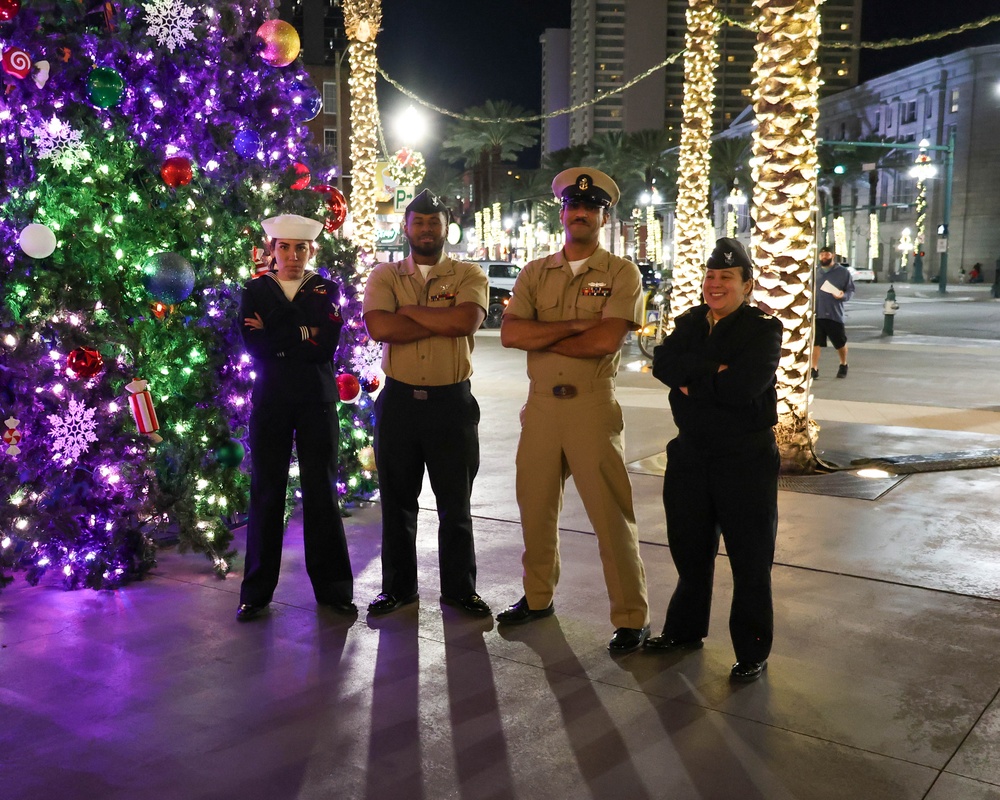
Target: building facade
<point>950,98</point>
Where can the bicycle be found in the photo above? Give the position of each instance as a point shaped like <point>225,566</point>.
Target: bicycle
<point>657,316</point>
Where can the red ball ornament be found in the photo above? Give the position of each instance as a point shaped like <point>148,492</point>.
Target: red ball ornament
<point>370,384</point>
<point>349,386</point>
<point>336,204</point>
<point>9,9</point>
<point>15,61</point>
<point>84,362</point>
<point>176,172</point>
<point>301,174</point>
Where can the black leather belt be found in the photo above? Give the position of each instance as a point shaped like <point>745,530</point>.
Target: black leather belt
<point>564,390</point>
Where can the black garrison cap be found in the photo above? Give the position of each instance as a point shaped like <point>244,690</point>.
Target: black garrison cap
<point>730,253</point>
<point>427,203</point>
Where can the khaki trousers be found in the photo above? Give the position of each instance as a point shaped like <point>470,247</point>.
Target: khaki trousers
<point>579,436</point>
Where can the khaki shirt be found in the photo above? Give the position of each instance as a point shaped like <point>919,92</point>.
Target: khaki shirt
<point>546,290</point>
<point>439,360</point>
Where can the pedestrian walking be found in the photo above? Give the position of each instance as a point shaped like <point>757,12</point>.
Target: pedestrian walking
<point>834,287</point>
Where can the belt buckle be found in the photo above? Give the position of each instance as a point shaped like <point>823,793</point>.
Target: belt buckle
<point>564,390</point>
<point>419,394</point>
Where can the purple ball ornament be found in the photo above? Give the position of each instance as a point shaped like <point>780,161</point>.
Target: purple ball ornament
<point>247,144</point>
<point>306,101</point>
<point>168,277</point>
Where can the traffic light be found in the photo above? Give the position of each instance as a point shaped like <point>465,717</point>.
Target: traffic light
<point>840,169</point>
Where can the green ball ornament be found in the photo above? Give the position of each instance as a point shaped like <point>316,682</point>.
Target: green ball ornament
<point>105,87</point>
<point>230,454</point>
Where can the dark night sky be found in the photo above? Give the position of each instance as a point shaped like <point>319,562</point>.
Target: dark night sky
<point>458,53</point>
<point>892,19</point>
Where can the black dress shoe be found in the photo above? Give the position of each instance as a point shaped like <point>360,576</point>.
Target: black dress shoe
<point>662,644</point>
<point>519,613</point>
<point>347,609</point>
<point>385,603</point>
<point>628,640</point>
<point>249,611</point>
<point>747,671</point>
<point>472,603</point>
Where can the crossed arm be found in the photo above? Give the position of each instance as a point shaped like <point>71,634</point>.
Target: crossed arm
<point>576,338</point>
<point>413,323</point>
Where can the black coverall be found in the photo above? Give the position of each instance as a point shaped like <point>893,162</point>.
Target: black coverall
<point>294,398</point>
<point>722,470</point>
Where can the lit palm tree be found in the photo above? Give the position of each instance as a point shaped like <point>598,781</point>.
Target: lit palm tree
<point>693,187</point>
<point>362,19</point>
<point>483,146</point>
<point>784,164</point>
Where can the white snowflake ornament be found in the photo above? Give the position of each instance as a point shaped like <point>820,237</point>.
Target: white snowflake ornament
<point>170,22</point>
<point>73,433</point>
<point>61,144</point>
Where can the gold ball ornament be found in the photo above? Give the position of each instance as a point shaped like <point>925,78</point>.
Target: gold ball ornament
<point>281,42</point>
<point>366,458</point>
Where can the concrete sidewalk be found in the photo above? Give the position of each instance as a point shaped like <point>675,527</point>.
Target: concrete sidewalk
<point>884,680</point>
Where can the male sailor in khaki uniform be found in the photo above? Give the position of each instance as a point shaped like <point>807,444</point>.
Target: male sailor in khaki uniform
<point>571,312</point>
<point>425,310</point>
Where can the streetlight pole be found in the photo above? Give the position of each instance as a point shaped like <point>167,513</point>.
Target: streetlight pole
<point>949,170</point>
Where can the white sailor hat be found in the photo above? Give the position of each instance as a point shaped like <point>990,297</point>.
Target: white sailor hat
<point>587,184</point>
<point>292,226</point>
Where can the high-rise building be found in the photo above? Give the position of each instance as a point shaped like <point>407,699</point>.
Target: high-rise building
<point>555,88</point>
<point>612,41</point>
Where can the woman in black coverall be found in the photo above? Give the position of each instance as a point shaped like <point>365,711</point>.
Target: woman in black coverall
<point>722,469</point>
<point>291,327</point>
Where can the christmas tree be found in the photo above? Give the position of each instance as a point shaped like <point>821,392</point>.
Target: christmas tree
<point>140,144</point>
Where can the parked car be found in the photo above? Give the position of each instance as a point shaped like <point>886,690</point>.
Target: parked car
<point>652,274</point>
<point>501,274</point>
<point>861,274</point>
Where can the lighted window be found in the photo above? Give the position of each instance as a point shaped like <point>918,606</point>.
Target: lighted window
<point>841,72</point>
<point>730,59</point>
<point>908,112</point>
<point>745,92</point>
<point>954,101</point>
<point>845,26</point>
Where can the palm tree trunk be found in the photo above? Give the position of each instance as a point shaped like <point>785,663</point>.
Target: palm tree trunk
<point>693,166</point>
<point>362,19</point>
<point>784,237</point>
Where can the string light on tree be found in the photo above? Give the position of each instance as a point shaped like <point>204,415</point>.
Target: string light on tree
<point>784,166</point>
<point>922,170</point>
<point>362,19</point>
<point>700,61</point>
